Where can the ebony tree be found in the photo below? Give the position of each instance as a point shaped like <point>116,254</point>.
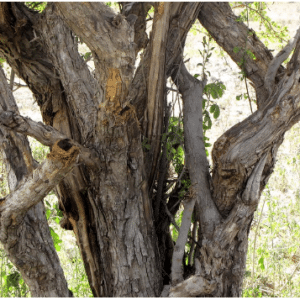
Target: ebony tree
<point>113,190</point>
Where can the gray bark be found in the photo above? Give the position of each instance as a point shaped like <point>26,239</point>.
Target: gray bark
<point>24,230</point>
<point>106,200</point>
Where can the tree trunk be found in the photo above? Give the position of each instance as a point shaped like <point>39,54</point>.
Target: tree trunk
<point>97,125</point>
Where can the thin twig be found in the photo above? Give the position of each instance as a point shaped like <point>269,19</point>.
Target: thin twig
<point>245,52</point>
<point>12,79</point>
<point>193,238</point>
<point>175,225</point>
<point>262,17</point>
<point>248,95</point>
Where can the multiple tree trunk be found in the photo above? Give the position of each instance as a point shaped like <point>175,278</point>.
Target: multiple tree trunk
<point>110,188</point>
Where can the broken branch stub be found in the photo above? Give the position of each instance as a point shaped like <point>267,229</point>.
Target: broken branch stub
<point>64,151</point>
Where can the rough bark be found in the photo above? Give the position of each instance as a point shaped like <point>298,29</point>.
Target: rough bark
<point>107,199</point>
<point>80,200</point>
<point>25,233</point>
<point>244,159</point>
<point>136,14</point>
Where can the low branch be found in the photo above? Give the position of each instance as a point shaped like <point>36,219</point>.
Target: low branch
<point>60,161</point>
<point>45,134</point>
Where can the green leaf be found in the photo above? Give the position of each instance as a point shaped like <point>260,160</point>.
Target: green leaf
<point>216,112</point>
<point>48,213</point>
<point>236,49</point>
<point>261,263</point>
<point>56,239</point>
<point>2,60</point>
<point>87,55</point>
<point>212,108</point>
<point>196,75</point>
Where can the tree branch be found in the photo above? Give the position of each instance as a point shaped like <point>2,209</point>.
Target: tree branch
<point>45,134</point>
<point>35,263</point>
<point>240,149</point>
<point>36,186</point>
<point>136,13</point>
<point>196,160</point>
<point>277,61</point>
<point>182,16</point>
<point>80,86</point>
<point>197,164</point>
<point>231,35</point>
<point>109,36</point>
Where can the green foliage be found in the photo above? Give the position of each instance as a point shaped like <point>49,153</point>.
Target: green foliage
<point>38,6</point>
<point>113,5</point>
<point>87,55</point>
<point>175,140</point>
<point>145,144</point>
<point>56,240</point>
<point>11,282</point>
<point>2,61</point>
<point>211,92</point>
<point>39,151</point>
<point>274,254</point>
<point>257,11</point>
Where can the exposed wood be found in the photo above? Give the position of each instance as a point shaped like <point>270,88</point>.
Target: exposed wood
<point>182,17</point>
<point>109,36</point>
